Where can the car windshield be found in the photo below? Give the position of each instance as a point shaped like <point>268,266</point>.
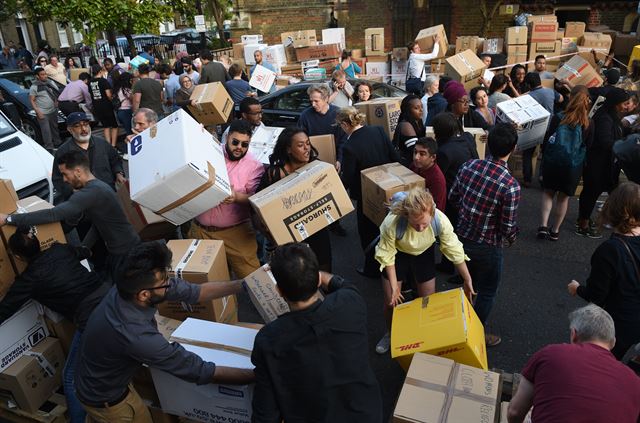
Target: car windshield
<point>5,127</point>
<point>25,80</point>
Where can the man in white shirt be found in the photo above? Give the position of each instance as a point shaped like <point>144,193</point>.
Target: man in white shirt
<point>416,73</point>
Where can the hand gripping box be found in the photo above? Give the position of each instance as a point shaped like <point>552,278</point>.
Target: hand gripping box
<point>529,116</point>
<point>261,286</point>
<point>578,71</point>
<point>262,78</point>
<point>426,37</point>
<point>301,204</point>
<point>200,261</point>
<point>224,345</point>
<point>465,67</point>
<point>442,324</point>
<point>379,183</point>
<point>177,169</point>
<point>213,103</point>
<point>383,112</point>
<point>439,390</point>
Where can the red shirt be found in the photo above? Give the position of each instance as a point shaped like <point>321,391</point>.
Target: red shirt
<point>582,383</point>
<point>434,181</point>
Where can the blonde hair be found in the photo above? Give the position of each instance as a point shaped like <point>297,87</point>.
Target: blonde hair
<point>351,116</point>
<point>416,201</point>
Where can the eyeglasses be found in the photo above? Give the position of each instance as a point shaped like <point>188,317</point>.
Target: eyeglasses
<point>464,101</point>
<point>157,287</point>
<point>245,144</point>
<point>253,113</point>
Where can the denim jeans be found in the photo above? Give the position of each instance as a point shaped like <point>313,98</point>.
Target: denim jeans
<point>124,117</point>
<point>485,268</point>
<point>77,413</point>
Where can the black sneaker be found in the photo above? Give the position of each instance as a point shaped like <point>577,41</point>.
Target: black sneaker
<point>592,233</point>
<point>543,232</point>
<point>554,236</point>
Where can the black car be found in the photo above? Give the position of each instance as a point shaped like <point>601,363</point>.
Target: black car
<point>14,88</point>
<point>283,107</point>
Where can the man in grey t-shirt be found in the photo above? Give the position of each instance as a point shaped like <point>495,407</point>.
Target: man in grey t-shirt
<point>43,98</point>
<point>147,92</point>
<point>541,67</point>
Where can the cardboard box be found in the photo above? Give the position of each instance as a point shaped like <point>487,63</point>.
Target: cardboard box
<point>400,54</point>
<point>304,202</point>
<point>493,46</point>
<point>200,261</point>
<point>516,35</point>
<point>399,71</point>
<point>262,79</point>
<point>374,41</point>
<point>439,65</point>
<point>426,37</point>
<point>261,286</point>
<point>224,345</point>
<point>529,116</point>
<point>334,36</point>
<point>275,55</point>
<point>35,376</point>
<point>21,332</point>
<point>47,234</point>
<point>75,73</point>
<point>443,324</point>
<point>578,71</point>
<point>251,39</point>
<point>596,41</point>
<point>383,112</point>
<point>516,50</point>
<point>326,146</point>
<point>213,104</point>
<point>551,49</point>
<point>465,67</point>
<point>357,53</point>
<point>471,42</point>
<point>515,163</point>
<point>299,38</point>
<point>250,49</point>
<point>238,51</point>
<point>379,183</point>
<point>568,45</point>
<point>624,44</point>
<point>176,168</point>
<point>513,59</point>
<point>541,18</point>
<point>440,390</point>
<point>377,70</point>
<point>478,136</point>
<point>262,142</point>
<point>60,328</point>
<point>574,29</point>
<point>149,225</point>
<point>8,197</point>
<point>542,32</point>
<point>321,52</point>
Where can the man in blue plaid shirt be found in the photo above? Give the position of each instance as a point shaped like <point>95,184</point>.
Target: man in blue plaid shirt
<point>487,197</point>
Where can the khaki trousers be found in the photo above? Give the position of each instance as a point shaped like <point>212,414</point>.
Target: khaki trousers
<point>239,244</point>
<point>131,410</point>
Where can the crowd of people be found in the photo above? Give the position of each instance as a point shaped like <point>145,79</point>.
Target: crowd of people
<point>312,364</point>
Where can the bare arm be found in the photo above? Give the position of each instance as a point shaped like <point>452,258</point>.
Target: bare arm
<point>521,402</point>
<point>232,376</point>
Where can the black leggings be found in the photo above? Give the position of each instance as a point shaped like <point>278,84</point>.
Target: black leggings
<point>596,179</point>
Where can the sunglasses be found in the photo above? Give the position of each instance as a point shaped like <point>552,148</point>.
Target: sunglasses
<point>464,101</point>
<point>245,144</point>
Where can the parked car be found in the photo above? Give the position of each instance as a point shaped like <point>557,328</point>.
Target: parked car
<point>14,88</point>
<point>25,162</point>
<point>283,107</point>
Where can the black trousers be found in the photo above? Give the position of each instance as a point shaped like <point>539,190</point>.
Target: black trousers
<point>367,231</point>
<point>68,107</point>
<point>597,177</point>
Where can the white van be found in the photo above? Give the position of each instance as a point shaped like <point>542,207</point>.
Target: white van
<point>25,162</point>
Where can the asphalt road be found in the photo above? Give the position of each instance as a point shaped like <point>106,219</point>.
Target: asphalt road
<point>532,304</point>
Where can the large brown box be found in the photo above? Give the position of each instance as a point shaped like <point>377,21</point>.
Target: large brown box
<point>467,42</point>
<point>516,35</point>
<point>551,49</point>
<point>516,49</point>
<point>326,146</point>
<point>302,203</point>
<point>426,36</point>
<point>35,376</point>
<point>379,183</point>
<point>493,45</point>
<point>149,225</point>
<point>321,52</point>
<point>213,104</point>
<point>200,261</point>
<point>541,18</point>
<point>374,42</point>
<point>400,54</point>
<point>75,73</point>
<point>304,38</point>
<point>465,67</point>
<point>596,41</point>
<point>578,71</point>
<point>383,112</point>
<point>574,29</point>
<point>541,32</point>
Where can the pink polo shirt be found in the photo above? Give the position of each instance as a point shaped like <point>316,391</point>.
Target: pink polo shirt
<point>244,176</point>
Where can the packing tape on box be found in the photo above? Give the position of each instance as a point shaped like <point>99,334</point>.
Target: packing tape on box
<point>212,345</point>
<point>193,194</point>
<point>201,96</point>
<point>42,362</point>
<point>184,261</point>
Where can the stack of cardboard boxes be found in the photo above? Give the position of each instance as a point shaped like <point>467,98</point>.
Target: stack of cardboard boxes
<point>543,39</point>
<point>377,66</point>
<point>516,41</point>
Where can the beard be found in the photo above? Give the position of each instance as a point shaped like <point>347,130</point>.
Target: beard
<point>82,139</point>
<point>231,156</point>
<point>157,299</point>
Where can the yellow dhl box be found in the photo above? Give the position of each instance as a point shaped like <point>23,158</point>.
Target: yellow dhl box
<point>438,390</point>
<point>213,103</point>
<point>442,324</point>
<point>200,261</point>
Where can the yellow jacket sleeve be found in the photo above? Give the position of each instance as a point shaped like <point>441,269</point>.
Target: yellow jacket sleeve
<point>386,248</point>
<point>450,245</point>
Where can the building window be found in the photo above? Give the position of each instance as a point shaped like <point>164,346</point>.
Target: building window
<point>62,34</point>
<point>77,36</point>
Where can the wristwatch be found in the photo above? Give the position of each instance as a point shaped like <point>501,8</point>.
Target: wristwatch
<point>8,219</point>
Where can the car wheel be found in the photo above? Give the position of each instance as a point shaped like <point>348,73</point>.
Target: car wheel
<point>32,130</point>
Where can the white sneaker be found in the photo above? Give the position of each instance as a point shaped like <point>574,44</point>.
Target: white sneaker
<point>125,156</point>
<point>384,344</point>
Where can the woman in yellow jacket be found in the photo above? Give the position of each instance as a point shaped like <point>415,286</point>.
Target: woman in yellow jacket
<point>407,238</point>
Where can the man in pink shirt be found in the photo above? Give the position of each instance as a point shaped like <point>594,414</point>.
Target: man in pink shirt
<point>230,221</point>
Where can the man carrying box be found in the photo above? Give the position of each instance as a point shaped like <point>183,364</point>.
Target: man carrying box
<point>230,221</point>
<point>122,334</point>
<point>92,199</point>
<point>312,363</point>
<point>56,279</point>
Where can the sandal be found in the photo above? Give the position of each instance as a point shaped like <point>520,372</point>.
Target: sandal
<point>554,236</point>
<point>543,232</point>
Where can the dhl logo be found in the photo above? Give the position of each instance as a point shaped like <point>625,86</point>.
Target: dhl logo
<point>410,346</point>
<point>449,351</point>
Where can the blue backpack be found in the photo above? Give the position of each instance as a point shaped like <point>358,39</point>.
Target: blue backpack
<point>565,147</point>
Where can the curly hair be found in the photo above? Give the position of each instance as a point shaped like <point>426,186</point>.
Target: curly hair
<point>622,208</point>
<point>280,155</point>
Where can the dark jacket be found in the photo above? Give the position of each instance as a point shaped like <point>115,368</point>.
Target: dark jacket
<point>435,104</point>
<point>56,279</point>
<point>453,153</point>
<point>367,147</point>
<point>607,129</point>
<point>213,72</point>
<point>473,119</point>
<point>103,158</point>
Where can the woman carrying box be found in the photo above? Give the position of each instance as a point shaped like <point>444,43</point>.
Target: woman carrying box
<point>406,250</point>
